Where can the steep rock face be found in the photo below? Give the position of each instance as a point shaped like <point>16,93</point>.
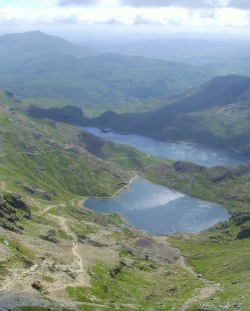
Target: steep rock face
<point>68,114</point>
<point>12,209</point>
<point>183,167</point>
<point>15,201</point>
<point>93,144</point>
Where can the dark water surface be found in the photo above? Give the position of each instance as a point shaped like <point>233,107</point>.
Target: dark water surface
<point>160,210</point>
<point>197,154</point>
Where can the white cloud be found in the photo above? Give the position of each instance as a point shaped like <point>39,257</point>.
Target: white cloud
<point>194,14</point>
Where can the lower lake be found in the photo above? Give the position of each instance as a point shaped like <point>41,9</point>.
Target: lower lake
<point>160,210</point>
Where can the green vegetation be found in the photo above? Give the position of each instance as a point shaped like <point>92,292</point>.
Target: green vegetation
<point>220,257</point>
<point>53,165</point>
<point>216,114</point>
<point>227,186</point>
<point>136,284</point>
<point>51,160</point>
<point>63,71</point>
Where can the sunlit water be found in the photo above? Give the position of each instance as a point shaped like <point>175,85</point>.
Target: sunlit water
<point>160,210</point>
<point>197,154</point>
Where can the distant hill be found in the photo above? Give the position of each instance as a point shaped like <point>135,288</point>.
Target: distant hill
<point>181,49</point>
<point>222,56</point>
<point>217,113</point>
<point>37,65</point>
<point>20,49</point>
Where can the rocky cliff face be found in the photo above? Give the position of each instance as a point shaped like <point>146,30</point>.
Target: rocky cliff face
<point>12,209</point>
<point>68,114</point>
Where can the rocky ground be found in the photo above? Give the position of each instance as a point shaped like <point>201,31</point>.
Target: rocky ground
<point>38,270</point>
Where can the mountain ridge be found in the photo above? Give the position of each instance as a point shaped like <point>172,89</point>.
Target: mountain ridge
<point>217,113</point>
<point>37,65</point>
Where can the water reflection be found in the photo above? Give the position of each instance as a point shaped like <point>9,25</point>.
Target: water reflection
<point>160,210</point>
<point>197,154</point>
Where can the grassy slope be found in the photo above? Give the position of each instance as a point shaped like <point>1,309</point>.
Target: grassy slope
<point>221,258</point>
<point>53,158</point>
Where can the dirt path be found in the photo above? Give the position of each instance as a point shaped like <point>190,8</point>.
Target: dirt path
<point>80,200</point>
<point>25,152</point>
<point>146,157</point>
<point>83,278</point>
<point>117,192</point>
<point>47,209</point>
<point>205,292</point>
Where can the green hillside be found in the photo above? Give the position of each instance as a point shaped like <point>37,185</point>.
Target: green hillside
<point>57,255</point>
<point>36,65</point>
<point>222,56</point>
<point>21,49</point>
<point>217,114</point>
<point>52,160</point>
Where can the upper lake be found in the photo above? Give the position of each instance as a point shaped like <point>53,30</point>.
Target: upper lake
<point>202,155</point>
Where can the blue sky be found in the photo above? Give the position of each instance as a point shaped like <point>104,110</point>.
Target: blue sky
<point>159,16</point>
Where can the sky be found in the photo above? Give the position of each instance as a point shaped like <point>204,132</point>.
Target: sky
<point>131,16</point>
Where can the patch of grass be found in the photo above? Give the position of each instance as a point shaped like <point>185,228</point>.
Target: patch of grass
<point>91,216</point>
<point>137,285</point>
<point>78,294</point>
<point>48,279</point>
<point>221,259</point>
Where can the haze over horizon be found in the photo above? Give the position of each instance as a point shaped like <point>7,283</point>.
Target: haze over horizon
<point>93,19</point>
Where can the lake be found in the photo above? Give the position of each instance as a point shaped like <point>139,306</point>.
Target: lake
<point>197,154</point>
<point>160,210</point>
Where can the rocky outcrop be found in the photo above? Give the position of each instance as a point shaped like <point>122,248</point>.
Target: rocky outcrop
<point>12,209</point>
<point>244,233</point>
<point>183,167</point>
<point>93,144</point>
<point>15,201</point>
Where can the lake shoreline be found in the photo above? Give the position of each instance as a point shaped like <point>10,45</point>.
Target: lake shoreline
<point>159,209</point>
<point>186,151</point>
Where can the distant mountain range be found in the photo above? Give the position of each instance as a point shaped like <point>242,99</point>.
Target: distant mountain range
<point>221,55</point>
<point>35,65</point>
